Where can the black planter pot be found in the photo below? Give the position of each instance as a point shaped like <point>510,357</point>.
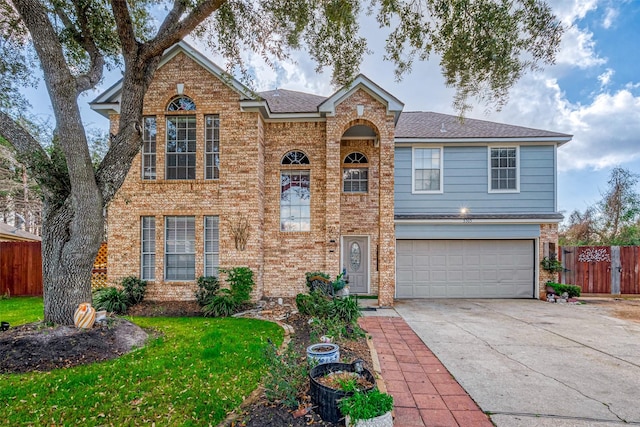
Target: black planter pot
<point>4,326</point>
<point>326,399</point>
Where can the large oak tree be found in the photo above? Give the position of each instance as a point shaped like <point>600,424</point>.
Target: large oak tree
<point>483,46</point>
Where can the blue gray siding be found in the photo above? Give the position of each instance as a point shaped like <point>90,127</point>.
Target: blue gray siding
<point>465,183</point>
<point>466,231</point>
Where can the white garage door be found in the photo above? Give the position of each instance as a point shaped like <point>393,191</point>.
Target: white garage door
<point>464,268</point>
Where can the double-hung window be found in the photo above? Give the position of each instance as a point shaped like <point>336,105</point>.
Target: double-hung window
<point>212,147</point>
<point>180,248</point>
<point>355,173</point>
<point>295,193</point>
<point>211,245</point>
<point>427,170</point>
<point>181,140</point>
<point>503,169</point>
<point>147,248</point>
<point>149,148</point>
<point>181,147</point>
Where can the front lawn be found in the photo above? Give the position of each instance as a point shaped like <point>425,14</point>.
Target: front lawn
<point>194,374</point>
<point>21,310</point>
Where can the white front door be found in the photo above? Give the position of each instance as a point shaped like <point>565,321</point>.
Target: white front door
<point>355,259</point>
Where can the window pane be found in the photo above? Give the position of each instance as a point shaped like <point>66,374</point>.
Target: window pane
<point>295,201</point>
<point>181,147</point>
<point>211,245</point>
<point>180,248</point>
<point>149,148</point>
<point>148,247</point>
<point>427,165</point>
<point>504,168</point>
<point>212,147</point>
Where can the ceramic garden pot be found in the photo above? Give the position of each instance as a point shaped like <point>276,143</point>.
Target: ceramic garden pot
<point>85,316</point>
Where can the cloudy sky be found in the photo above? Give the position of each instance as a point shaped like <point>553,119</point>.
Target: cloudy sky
<point>592,92</point>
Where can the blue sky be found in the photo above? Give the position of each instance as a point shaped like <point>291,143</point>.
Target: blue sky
<point>592,92</point>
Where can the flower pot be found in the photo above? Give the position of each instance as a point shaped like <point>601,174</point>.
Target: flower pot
<point>384,420</point>
<point>85,316</point>
<point>322,353</point>
<point>325,398</point>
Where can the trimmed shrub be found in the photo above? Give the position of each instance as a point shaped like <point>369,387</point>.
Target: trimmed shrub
<point>560,288</point>
<point>111,299</point>
<point>134,289</point>
<point>208,287</point>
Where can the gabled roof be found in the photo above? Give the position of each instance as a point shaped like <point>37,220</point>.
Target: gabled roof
<point>11,233</point>
<point>394,106</point>
<point>290,101</point>
<point>435,126</point>
<point>109,101</point>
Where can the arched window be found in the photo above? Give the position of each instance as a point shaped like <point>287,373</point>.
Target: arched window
<point>181,103</point>
<point>295,193</point>
<point>355,173</point>
<point>295,158</point>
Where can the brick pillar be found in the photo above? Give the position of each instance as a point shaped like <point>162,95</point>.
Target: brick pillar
<point>548,243</point>
<point>387,241</point>
<point>333,193</point>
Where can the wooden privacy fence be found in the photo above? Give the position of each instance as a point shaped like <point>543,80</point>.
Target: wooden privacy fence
<point>602,269</point>
<point>20,268</point>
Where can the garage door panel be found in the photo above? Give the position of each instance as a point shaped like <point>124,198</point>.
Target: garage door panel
<point>465,269</point>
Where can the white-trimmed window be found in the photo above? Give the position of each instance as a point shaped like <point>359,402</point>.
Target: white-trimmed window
<point>295,193</point>
<point>212,147</point>
<point>211,245</point>
<point>504,168</point>
<point>355,173</point>
<point>426,169</point>
<point>181,147</point>
<point>180,248</point>
<point>149,148</point>
<point>148,248</point>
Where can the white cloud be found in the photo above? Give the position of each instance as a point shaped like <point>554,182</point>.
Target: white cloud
<point>605,78</point>
<point>610,16</point>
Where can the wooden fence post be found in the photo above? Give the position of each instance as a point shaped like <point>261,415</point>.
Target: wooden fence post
<point>616,269</point>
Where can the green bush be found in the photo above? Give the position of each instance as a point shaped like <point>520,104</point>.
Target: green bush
<point>208,287</point>
<point>551,264</point>
<point>364,406</point>
<point>134,289</point>
<point>221,305</point>
<point>560,288</point>
<point>286,377</point>
<point>111,299</point>
<point>225,302</point>
<point>346,308</point>
<point>240,280</point>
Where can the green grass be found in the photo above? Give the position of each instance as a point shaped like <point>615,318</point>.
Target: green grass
<point>194,374</point>
<point>20,310</point>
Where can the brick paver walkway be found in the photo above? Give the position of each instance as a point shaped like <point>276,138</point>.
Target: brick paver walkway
<point>424,393</point>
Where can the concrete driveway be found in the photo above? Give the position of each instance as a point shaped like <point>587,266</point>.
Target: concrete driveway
<point>531,363</point>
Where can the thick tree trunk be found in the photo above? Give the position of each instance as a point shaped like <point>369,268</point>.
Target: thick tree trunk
<point>67,261</point>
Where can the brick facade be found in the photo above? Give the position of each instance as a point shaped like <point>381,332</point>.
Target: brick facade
<point>251,151</point>
<point>548,243</point>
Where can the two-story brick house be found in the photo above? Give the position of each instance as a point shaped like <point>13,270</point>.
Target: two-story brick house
<point>411,204</point>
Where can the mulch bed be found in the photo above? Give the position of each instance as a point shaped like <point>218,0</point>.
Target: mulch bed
<point>37,347</point>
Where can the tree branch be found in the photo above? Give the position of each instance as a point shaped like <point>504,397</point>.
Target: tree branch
<point>124,25</point>
<point>172,32</point>
<point>29,151</point>
<point>89,79</point>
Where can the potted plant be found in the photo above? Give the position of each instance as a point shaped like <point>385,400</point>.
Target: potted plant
<point>551,264</point>
<point>367,409</point>
<point>330,382</point>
